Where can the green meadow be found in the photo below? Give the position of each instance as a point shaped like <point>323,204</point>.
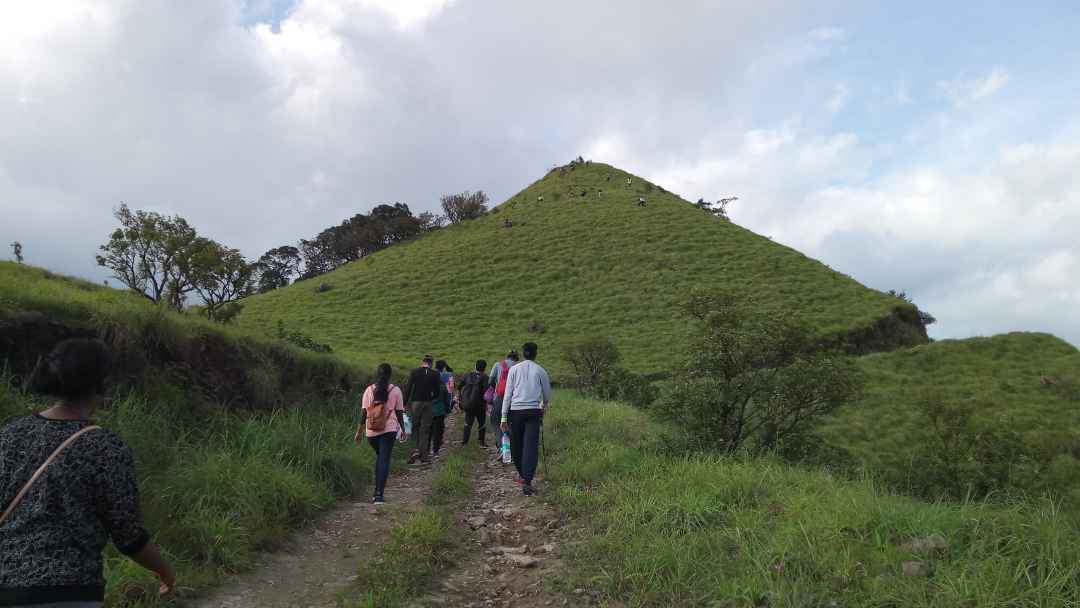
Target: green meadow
<point>667,528</point>
<point>570,266</point>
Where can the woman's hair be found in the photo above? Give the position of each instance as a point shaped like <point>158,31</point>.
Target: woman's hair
<point>74,369</point>
<point>481,365</point>
<point>382,381</point>
<point>440,365</point>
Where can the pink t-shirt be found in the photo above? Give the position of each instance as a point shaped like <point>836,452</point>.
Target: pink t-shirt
<point>395,403</point>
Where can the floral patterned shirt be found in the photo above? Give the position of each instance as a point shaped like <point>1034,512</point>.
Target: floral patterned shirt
<point>51,545</point>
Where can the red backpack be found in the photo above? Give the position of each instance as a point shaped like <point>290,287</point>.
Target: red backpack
<point>500,388</point>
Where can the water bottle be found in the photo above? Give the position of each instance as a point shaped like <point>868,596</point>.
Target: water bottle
<point>505,449</point>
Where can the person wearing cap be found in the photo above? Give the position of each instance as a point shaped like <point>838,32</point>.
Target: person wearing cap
<point>497,372</point>
<point>528,392</point>
<point>421,391</point>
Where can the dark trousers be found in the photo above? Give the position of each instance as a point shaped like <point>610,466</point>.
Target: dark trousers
<point>421,422</point>
<point>438,428</point>
<point>474,415</point>
<point>496,414</point>
<point>525,442</point>
<point>384,448</point>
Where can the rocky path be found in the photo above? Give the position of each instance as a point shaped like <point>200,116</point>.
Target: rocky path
<point>511,557</point>
<point>318,564</point>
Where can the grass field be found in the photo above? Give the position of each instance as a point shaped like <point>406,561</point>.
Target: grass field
<point>569,267</point>
<point>676,530</point>
<point>1024,386</point>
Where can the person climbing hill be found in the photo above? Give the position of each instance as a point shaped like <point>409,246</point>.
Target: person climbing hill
<point>497,384</point>
<point>444,404</point>
<point>381,417</point>
<point>421,391</point>
<point>528,392</point>
<point>472,402</point>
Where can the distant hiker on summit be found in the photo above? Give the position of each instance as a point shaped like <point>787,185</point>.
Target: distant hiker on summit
<point>528,392</point>
<point>472,402</point>
<point>420,395</point>
<point>382,416</point>
<point>497,388</point>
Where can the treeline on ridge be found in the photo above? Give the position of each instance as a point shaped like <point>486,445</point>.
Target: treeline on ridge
<point>164,259</point>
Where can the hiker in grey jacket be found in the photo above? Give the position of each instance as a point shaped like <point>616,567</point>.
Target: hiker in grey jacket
<point>528,392</point>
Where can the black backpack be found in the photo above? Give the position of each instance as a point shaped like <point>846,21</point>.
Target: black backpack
<point>472,392</point>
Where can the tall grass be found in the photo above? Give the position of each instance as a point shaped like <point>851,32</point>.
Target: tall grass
<point>678,530</point>
<point>217,486</point>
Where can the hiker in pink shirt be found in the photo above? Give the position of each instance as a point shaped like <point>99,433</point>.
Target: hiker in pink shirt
<point>382,417</point>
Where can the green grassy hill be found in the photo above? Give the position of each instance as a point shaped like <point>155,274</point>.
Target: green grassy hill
<point>572,265</point>
<point>1007,412</point>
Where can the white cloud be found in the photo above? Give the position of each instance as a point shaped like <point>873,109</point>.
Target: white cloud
<point>902,95</point>
<point>962,92</point>
<point>839,98</point>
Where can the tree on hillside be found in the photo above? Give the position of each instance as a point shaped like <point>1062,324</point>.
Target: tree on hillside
<point>322,253</point>
<point>430,221</point>
<point>754,379</point>
<point>924,317</point>
<point>219,275</point>
<point>147,253</point>
<point>591,358</point>
<point>464,206</point>
<point>16,248</point>
<point>277,268</point>
<point>397,222</point>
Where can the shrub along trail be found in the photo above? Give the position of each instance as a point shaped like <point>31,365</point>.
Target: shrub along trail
<point>510,548</point>
<point>317,566</point>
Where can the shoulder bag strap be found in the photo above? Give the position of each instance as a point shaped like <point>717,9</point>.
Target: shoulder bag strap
<point>41,470</point>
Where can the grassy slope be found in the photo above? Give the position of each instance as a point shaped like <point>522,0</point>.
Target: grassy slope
<point>1027,382</point>
<point>577,266</point>
<point>710,531</point>
<point>216,485</point>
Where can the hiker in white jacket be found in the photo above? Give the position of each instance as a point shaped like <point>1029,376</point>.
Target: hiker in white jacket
<point>528,392</point>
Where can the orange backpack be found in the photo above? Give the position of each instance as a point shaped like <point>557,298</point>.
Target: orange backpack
<point>378,411</point>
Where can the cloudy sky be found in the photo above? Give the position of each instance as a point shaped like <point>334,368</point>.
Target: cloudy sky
<point>920,146</point>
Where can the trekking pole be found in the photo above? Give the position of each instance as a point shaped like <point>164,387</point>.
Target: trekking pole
<point>543,451</point>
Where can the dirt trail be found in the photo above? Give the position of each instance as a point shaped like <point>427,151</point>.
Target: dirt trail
<point>511,557</point>
<point>319,563</point>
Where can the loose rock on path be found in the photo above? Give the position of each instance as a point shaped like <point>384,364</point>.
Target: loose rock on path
<point>511,557</point>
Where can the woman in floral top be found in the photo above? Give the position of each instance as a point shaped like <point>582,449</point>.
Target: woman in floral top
<point>51,544</point>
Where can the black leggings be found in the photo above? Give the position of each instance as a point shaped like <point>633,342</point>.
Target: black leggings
<point>384,448</point>
<point>438,428</point>
<point>525,442</point>
<point>474,415</point>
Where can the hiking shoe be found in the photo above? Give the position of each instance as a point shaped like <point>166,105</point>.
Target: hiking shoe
<point>378,500</point>
<point>413,458</point>
<point>527,490</point>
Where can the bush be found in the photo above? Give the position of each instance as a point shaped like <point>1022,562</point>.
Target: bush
<point>753,381</point>
<point>591,359</point>
<point>621,385</point>
<point>303,341</point>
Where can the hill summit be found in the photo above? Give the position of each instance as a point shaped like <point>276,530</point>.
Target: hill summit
<point>586,250</point>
